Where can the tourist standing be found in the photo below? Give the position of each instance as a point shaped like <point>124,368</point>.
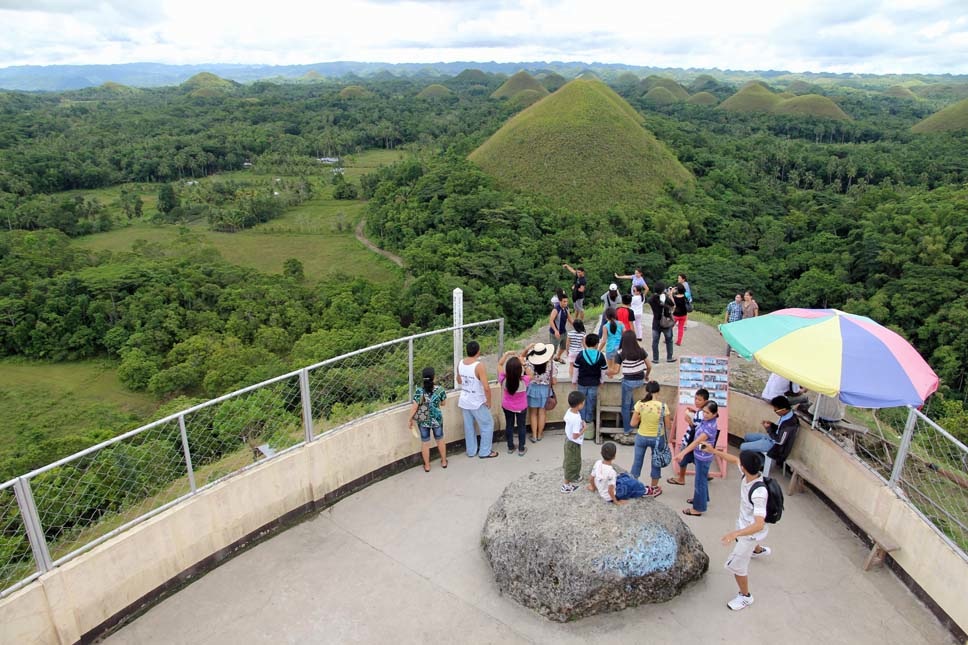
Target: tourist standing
<point>576,342</point>
<point>590,365</point>
<point>662,322</point>
<point>427,399</point>
<point>558,326</point>
<point>514,399</point>
<point>751,527</point>
<point>734,312</point>
<point>638,306</point>
<point>706,434</point>
<point>652,418</point>
<point>611,337</point>
<point>638,280</point>
<point>680,311</point>
<point>542,369</point>
<point>574,436</point>
<point>475,403</point>
<point>624,313</point>
<point>750,308</point>
<point>578,290</point>
<point>611,299</point>
<point>681,279</point>
<point>633,362</point>
<point>694,417</point>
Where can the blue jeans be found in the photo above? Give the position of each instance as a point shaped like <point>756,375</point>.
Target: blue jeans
<point>655,343</point>
<point>641,443</point>
<point>485,422</point>
<point>591,398</point>
<point>757,442</point>
<point>700,491</point>
<point>512,421</point>
<point>628,390</point>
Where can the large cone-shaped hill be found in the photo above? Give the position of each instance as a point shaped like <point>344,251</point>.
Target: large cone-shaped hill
<point>953,117</point>
<point>206,84</point>
<point>812,105</point>
<point>583,148</point>
<point>518,83</point>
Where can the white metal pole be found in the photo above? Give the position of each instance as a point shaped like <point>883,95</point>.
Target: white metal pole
<point>458,330</point>
<point>902,450</point>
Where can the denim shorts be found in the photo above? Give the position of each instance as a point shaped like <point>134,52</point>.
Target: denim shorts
<point>437,428</point>
<point>538,395</point>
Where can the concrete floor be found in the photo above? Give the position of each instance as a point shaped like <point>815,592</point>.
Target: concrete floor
<point>400,562</point>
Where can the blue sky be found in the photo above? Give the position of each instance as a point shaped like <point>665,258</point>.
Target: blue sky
<point>799,35</point>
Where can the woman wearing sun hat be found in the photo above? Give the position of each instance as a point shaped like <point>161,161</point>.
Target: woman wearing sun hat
<point>543,370</point>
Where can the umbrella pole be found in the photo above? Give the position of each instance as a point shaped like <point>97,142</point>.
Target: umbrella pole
<point>816,410</point>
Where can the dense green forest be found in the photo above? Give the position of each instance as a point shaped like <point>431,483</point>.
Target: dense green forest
<point>861,215</point>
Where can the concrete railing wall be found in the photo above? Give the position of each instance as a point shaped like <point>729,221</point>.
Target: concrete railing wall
<point>96,588</point>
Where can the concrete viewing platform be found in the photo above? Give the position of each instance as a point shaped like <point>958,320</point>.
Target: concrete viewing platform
<point>401,562</point>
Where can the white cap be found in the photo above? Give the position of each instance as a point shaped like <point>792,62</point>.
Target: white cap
<point>613,287</point>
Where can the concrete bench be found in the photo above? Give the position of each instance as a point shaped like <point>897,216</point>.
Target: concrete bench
<point>599,430</point>
<point>883,543</point>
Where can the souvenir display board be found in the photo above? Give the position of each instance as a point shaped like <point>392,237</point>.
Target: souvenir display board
<point>712,373</point>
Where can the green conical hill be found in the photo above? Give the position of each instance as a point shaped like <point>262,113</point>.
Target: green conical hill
<point>472,76</point>
<point>207,81</point>
<point>553,81</point>
<point>517,83</point>
<point>649,83</point>
<point>900,92</point>
<point>626,79</point>
<point>953,117</point>
<point>353,92</point>
<point>110,88</point>
<point>312,75</point>
<point>802,87</point>
<point>703,98</point>
<point>583,148</point>
<point>660,96</point>
<point>812,105</point>
<point>703,82</point>
<point>754,97</point>
<point>435,91</point>
<point>524,98</point>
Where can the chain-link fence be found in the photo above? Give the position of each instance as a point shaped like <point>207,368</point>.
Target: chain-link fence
<point>932,471</point>
<point>61,510</point>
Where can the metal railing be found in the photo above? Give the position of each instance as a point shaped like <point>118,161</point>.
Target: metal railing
<point>57,512</point>
<point>928,468</point>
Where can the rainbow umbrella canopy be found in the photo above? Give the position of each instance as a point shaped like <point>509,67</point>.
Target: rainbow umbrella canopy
<point>836,354</point>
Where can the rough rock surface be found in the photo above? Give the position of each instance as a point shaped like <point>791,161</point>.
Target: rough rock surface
<point>571,555</point>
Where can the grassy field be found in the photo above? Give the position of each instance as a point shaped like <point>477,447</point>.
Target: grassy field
<point>319,232</point>
<point>58,399</point>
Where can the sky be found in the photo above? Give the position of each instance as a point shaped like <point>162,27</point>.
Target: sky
<point>863,36</point>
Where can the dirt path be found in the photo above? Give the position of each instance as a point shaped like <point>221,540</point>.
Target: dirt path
<point>396,259</point>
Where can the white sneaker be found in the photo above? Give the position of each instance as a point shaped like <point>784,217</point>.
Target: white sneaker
<point>569,488</point>
<point>740,602</point>
<point>762,554</point>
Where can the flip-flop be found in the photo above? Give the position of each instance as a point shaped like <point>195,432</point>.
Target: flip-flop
<point>674,482</point>
<point>443,464</point>
<point>690,512</point>
<point>426,469</point>
<point>490,456</point>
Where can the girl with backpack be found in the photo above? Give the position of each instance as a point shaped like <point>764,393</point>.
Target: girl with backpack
<point>514,399</point>
<point>428,398</point>
<point>706,432</point>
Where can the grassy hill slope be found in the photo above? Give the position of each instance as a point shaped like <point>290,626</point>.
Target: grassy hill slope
<point>900,92</point>
<point>812,105</point>
<point>435,91</point>
<point>753,97</point>
<point>584,148</point>
<point>954,117</point>
<point>518,83</point>
<point>703,98</point>
<point>660,96</point>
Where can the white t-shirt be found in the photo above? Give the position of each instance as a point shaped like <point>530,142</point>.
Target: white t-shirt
<point>605,476</point>
<point>574,425</point>
<point>776,385</point>
<point>471,389</point>
<point>747,511</point>
<point>637,305</point>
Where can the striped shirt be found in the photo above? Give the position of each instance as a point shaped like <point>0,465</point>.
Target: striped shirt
<point>632,370</point>
<point>576,341</point>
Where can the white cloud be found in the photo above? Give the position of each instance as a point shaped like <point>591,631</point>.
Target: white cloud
<point>866,35</point>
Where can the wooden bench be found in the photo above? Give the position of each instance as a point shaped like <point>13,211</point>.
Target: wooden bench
<point>883,543</point>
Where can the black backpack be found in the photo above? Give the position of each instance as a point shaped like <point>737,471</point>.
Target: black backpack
<point>774,500</point>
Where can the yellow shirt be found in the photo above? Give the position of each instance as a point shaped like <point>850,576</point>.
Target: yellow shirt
<point>649,413</point>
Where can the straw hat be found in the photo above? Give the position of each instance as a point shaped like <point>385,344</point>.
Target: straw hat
<point>541,353</point>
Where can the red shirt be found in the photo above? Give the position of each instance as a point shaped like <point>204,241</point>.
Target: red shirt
<point>624,314</point>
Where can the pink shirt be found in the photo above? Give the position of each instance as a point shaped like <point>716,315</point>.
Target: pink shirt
<point>517,402</point>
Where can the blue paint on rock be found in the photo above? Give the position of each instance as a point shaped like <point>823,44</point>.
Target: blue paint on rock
<point>654,550</point>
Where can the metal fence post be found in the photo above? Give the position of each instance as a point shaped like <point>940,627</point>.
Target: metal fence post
<point>307,404</point>
<point>902,450</point>
<point>500,338</point>
<point>410,365</point>
<point>458,330</point>
<point>35,532</point>
<point>188,455</point>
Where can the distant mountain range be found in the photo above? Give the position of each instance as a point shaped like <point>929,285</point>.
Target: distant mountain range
<point>72,77</point>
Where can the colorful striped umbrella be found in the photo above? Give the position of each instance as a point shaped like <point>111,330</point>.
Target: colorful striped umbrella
<point>837,354</point>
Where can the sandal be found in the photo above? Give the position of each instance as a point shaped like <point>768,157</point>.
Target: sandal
<point>490,456</point>
<point>689,501</point>
<point>675,482</point>
<point>426,468</point>
<point>690,512</point>
<point>443,464</point>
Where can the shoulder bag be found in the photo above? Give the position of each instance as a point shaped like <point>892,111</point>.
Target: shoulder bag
<point>661,454</point>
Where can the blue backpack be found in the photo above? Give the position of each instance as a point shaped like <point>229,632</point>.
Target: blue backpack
<point>628,487</point>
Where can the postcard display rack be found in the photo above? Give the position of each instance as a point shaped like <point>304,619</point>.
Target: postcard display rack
<point>712,373</point>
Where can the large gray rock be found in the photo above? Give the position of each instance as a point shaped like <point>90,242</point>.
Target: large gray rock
<point>572,555</point>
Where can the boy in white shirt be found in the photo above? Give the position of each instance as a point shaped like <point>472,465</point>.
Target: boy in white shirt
<point>603,475</point>
<point>751,527</point>
<point>574,435</point>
